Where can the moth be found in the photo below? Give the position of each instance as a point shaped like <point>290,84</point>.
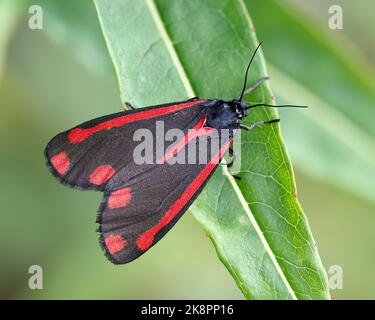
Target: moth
<point>142,202</point>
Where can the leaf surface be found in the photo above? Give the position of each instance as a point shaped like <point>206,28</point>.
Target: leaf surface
<point>172,50</point>
<point>321,68</point>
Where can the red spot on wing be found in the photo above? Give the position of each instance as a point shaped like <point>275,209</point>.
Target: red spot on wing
<point>101,174</point>
<point>119,198</point>
<point>193,133</point>
<point>79,134</point>
<point>145,240</point>
<point>114,243</point>
<point>61,162</point>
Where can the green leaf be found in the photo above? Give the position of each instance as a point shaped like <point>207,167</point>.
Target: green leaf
<point>319,67</point>
<point>172,50</point>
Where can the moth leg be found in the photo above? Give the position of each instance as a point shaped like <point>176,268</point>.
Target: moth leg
<point>258,123</point>
<point>193,99</point>
<point>233,154</point>
<point>256,85</point>
<point>128,106</point>
<point>233,175</point>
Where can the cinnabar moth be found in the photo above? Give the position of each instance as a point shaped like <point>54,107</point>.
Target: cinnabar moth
<point>142,202</point>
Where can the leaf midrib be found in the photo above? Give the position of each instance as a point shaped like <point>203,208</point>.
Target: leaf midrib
<point>190,92</point>
<point>170,47</point>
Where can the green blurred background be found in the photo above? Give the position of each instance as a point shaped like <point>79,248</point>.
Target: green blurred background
<point>55,78</point>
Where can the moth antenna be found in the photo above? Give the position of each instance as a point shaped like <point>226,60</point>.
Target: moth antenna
<point>247,71</point>
<point>272,106</point>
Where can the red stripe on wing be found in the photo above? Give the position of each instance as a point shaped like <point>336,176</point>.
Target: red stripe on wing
<point>145,240</point>
<point>193,133</point>
<point>80,134</point>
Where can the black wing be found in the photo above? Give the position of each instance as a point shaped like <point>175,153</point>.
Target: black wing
<point>141,201</point>
<point>89,155</point>
<point>136,214</point>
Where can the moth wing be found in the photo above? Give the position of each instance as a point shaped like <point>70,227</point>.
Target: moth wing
<point>89,155</point>
<point>135,215</point>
